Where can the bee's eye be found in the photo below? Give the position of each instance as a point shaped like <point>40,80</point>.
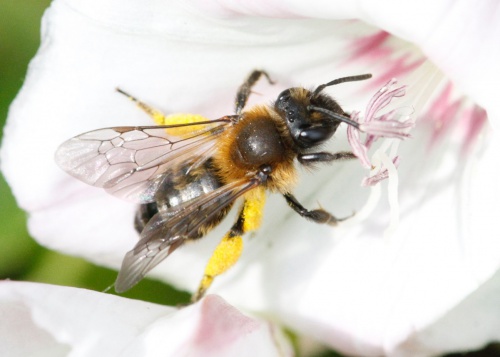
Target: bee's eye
<point>315,135</point>
<point>286,105</point>
<point>283,99</point>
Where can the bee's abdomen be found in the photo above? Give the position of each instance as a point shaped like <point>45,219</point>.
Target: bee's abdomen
<point>178,187</point>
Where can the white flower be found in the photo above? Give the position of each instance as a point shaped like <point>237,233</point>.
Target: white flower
<point>45,320</point>
<point>429,288</point>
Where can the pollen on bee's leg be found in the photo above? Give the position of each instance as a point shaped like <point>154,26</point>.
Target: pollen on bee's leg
<point>181,118</point>
<point>226,254</point>
<point>173,119</point>
<point>253,209</point>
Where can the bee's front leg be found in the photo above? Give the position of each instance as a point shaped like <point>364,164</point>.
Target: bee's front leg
<point>317,215</point>
<point>316,157</point>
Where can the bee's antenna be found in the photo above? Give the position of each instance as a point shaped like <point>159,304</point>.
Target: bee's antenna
<point>334,115</point>
<point>360,77</point>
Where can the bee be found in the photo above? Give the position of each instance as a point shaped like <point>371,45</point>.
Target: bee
<point>187,173</point>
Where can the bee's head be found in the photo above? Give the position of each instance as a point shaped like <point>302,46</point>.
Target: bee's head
<point>311,116</point>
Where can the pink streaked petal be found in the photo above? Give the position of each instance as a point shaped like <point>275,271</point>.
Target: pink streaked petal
<point>234,334</point>
<point>434,26</point>
<point>434,227</point>
<point>452,113</point>
<point>471,62</point>
<point>442,113</point>
<point>476,119</point>
<point>399,68</point>
<point>213,332</point>
<point>370,46</point>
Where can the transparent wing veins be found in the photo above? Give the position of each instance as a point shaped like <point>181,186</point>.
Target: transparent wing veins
<point>166,231</point>
<point>128,161</point>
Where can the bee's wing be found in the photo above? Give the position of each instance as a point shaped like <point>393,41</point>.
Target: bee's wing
<point>128,161</point>
<point>167,231</point>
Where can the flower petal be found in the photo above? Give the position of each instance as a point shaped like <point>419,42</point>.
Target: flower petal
<point>70,89</point>
<point>347,287</point>
<point>44,320</point>
<point>453,34</point>
<point>370,296</point>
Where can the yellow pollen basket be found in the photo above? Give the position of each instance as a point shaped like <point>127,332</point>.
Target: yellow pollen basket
<point>229,250</point>
<point>253,209</point>
<point>225,255</point>
<point>180,118</point>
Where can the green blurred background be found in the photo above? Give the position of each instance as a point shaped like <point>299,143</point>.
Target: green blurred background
<point>21,258</point>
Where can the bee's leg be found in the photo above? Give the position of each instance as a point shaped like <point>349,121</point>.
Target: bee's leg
<point>312,158</point>
<point>157,116</point>
<point>172,119</point>
<point>246,88</point>
<point>317,215</point>
<point>228,251</point>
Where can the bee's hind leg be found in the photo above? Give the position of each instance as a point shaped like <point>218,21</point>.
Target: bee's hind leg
<point>171,119</point>
<point>157,115</point>
<point>228,251</point>
<point>246,88</point>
